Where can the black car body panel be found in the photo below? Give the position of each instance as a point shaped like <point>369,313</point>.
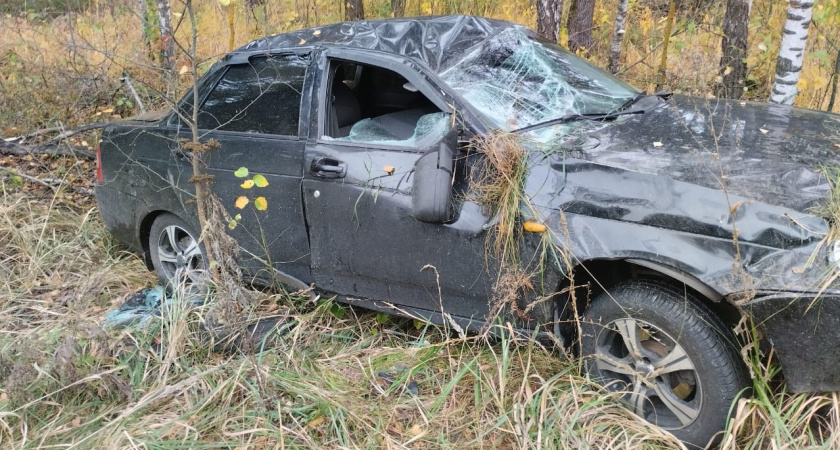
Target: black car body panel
<point>715,194</point>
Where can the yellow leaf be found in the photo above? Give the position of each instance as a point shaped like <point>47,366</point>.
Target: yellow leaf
<point>184,69</point>
<point>302,41</point>
<point>232,224</point>
<point>820,82</point>
<point>415,430</point>
<point>247,184</point>
<point>108,111</point>
<point>260,204</point>
<point>224,2</point>
<point>316,422</point>
<point>260,181</point>
<point>241,202</point>
<point>802,84</point>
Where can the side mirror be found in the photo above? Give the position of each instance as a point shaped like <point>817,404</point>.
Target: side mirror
<point>432,189</point>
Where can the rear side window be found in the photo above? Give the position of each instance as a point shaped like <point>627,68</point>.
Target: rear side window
<point>262,96</point>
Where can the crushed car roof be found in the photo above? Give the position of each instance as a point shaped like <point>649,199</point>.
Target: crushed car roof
<point>439,42</point>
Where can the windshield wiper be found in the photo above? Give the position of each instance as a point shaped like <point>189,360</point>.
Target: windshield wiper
<point>630,102</point>
<point>577,117</point>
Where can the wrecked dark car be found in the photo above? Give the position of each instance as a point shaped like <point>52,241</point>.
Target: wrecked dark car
<point>669,217</point>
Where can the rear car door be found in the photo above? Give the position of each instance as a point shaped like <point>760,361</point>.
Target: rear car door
<point>253,114</point>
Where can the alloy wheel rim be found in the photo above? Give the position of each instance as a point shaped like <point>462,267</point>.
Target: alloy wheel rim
<point>651,371</point>
<point>180,256</point>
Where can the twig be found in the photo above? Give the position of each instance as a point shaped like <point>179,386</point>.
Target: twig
<point>15,149</point>
<point>75,131</point>
<point>125,79</point>
<point>10,174</point>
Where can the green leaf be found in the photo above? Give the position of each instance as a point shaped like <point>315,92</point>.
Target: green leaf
<point>337,311</point>
<point>260,204</point>
<point>232,224</point>
<point>382,318</point>
<point>260,180</point>
<point>241,172</point>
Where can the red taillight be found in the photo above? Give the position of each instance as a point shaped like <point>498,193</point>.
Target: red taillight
<point>100,178</point>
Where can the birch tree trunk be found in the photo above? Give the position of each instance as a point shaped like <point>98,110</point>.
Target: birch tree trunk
<point>580,24</point>
<point>549,13</point>
<point>354,10</point>
<point>167,41</point>
<point>733,64</point>
<point>791,52</point>
<point>618,35</point>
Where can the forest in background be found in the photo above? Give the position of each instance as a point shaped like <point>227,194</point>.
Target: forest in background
<point>63,62</point>
<point>340,380</point>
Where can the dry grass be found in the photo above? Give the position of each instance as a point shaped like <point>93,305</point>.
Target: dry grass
<point>64,381</point>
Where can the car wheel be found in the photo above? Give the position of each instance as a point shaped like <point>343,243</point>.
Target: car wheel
<point>175,252</point>
<point>671,359</point>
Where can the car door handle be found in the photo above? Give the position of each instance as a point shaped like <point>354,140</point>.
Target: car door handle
<point>328,168</point>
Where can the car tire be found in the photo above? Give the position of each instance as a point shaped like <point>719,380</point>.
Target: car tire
<point>179,260</point>
<point>667,355</point>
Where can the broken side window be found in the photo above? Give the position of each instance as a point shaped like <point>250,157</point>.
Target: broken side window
<point>373,105</point>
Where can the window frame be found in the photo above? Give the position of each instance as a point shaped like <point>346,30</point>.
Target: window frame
<point>402,66</point>
<point>213,79</point>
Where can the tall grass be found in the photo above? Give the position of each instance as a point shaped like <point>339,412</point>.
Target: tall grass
<point>65,381</point>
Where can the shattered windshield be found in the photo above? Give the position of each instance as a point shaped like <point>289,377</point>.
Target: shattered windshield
<point>517,81</point>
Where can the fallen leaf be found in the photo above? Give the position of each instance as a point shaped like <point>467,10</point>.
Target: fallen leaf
<point>224,2</point>
<point>763,130</point>
<point>415,430</point>
<point>836,145</point>
<point>108,111</point>
<point>762,47</point>
<point>389,170</point>
<point>184,69</point>
<point>316,33</point>
<point>232,224</point>
<point>315,422</point>
<point>241,172</point>
<point>657,144</point>
<point>247,184</point>
<point>260,181</point>
<point>743,103</point>
<point>260,204</point>
<point>302,41</point>
<point>241,202</point>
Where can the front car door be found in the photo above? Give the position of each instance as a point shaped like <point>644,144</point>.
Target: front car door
<point>357,191</point>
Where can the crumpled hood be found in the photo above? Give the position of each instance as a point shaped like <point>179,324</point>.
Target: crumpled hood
<point>770,153</point>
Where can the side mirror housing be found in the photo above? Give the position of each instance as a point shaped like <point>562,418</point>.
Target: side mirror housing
<point>431,191</point>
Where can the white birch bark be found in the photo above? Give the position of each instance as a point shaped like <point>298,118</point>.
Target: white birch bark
<point>618,35</point>
<point>167,44</point>
<point>791,52</point>
<point>549,13</point>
